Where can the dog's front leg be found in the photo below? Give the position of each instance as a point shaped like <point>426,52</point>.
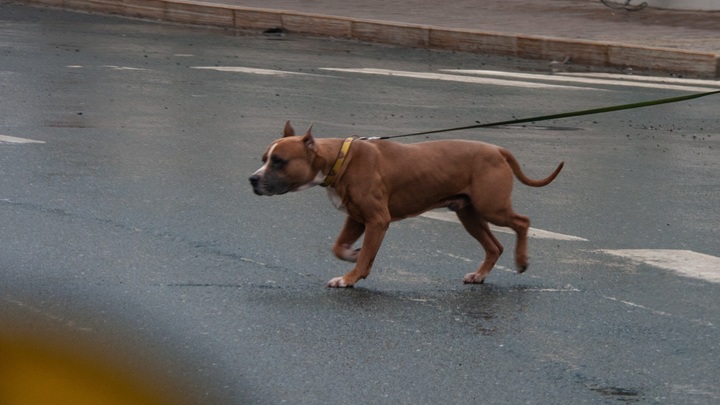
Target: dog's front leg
<point>350,233</point>
<point>374,234</point>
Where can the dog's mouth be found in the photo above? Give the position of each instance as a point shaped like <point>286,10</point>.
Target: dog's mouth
<point>261,186</point>
<point>260,190</point>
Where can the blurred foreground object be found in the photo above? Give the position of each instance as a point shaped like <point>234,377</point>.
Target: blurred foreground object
<point>45,370</point>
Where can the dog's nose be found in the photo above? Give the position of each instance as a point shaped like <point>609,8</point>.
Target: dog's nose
<point>254,180</point>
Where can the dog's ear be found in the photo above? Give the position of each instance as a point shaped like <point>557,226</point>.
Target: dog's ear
<point>308,139</point>
<point>288,131</point>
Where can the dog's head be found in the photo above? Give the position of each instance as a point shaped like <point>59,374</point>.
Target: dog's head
<point>287,164</point>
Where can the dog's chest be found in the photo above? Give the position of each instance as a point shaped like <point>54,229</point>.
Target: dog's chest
<point>335,199</point>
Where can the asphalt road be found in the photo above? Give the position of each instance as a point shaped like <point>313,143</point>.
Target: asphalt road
<point>129,226</point>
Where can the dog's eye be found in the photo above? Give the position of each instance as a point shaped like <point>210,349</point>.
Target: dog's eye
<point>277,162</point>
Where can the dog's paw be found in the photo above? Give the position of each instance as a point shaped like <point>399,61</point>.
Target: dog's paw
<point>521,263</point>
<point>338,282</point>
<point>521,268</point>
<point>474,278</point>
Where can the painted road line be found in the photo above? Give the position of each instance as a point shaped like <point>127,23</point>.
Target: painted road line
<point>533,232</point>
<point>255,71</point>
<point>632,304</point>
<point>685,262</point>
<point>457,78</point>
<point>12,139</point>
<point>113,67</point>
<point>651,79</point>
<point>583,80</point>
<point>656,312</point>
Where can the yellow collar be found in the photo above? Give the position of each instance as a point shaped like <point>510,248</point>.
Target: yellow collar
<point>330,179</point>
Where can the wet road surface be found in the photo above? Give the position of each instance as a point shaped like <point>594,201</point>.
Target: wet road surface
<point>132,227</point>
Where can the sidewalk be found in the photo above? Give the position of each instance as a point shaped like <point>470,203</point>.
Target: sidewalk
<point>585,31</point>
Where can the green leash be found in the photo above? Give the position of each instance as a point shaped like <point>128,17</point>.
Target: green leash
<point>562,115</point>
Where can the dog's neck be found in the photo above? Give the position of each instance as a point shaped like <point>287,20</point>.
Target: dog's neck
<point>338,163</point>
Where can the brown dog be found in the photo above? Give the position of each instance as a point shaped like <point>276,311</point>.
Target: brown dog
<point>377,181</point>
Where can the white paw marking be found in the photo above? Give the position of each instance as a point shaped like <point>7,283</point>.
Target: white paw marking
<point>338,282</point>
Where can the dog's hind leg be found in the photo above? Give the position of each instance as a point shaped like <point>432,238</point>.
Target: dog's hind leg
<point>520,224</point>
<point>350,233</point>
<point>478,227</point>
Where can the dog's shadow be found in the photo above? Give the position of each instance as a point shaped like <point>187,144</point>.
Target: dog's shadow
<point>485,309</point>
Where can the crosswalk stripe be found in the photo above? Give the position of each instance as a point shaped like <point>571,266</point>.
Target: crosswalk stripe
<point>13,139</point>
<point>685,262</point>
<point>533,232</point>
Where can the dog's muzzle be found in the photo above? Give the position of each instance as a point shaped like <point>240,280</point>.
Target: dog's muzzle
<point>268,185</point>
<point>255,182</point>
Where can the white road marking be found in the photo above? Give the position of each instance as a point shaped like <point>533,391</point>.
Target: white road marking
<point>654,311</point>
<point>113,67</point>
<point>68,322</point>
<point>585,80</point>
<point>465,259</point>
<point>652,79</point>
<point>420,299</point>
<point>449,216</point>
<point>632,304</point>
<point>567,288</point>
<point>256,71</point>
<point>12,139</point>
<point>685,262</point>
<point>457,78</point>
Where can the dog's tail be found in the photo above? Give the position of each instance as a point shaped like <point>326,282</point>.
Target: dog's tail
<point>522,177</point>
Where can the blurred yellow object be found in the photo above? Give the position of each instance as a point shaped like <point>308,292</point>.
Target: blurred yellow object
<point>39,371</point>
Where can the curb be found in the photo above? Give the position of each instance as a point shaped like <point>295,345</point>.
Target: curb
<point>594,53</point>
